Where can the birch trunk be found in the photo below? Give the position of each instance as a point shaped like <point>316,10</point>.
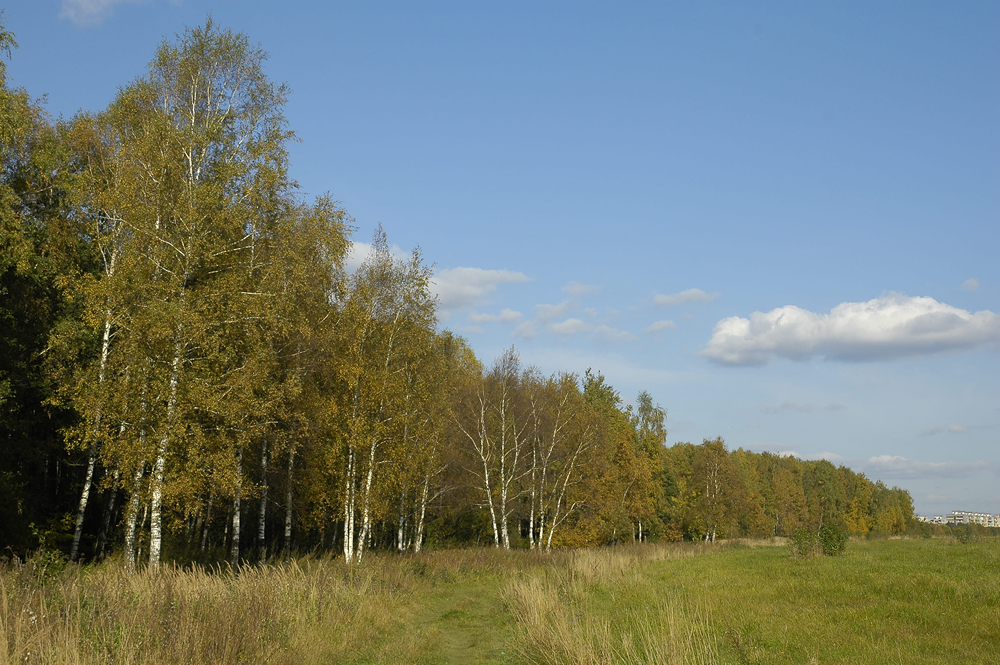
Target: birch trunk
<point>156,496</point>
<point>132,516</point>
<point>418,539</point>
<point>401,524</point>
<point>109,510</point>
<point>288,503</point>
<point>234,552</point>
<point>95,432</point>
<point>349,507</point>
<point>208,521</point>
<point>262,519</point>
<point>366,503</point>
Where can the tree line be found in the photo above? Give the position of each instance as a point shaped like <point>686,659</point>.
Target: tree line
<point>189,371</point>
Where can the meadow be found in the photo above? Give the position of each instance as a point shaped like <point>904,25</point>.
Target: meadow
<point>883,601</point>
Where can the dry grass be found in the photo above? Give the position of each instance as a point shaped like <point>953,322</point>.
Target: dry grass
<point>319,610</point>
<point>917,601</point>
<point>556,629</point>
<point>309,611</point>
<point>558,622</point>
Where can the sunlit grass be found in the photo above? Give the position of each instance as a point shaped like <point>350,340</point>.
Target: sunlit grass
<point>897,601</point>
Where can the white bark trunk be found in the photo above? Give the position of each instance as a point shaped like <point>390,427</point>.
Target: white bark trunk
<point>349,482</point>
<point>95,432</point>
<point>234,552</point>
<point>208,521</point>
<point>288,503</point>
<point>366,503</point>
<point>418,539</point>
<point>156,496</point>
<point>262,518</point>
<point>132,517</point>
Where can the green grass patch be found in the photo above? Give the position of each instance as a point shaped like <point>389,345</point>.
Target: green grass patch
<point>891,601</point>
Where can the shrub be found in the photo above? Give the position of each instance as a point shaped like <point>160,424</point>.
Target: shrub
<point>803,543</point>
<point>833,538</point>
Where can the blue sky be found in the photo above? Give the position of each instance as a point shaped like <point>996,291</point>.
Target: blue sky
<point>781,219</point>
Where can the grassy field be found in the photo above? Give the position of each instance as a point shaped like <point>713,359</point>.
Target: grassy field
<point>890,601</point>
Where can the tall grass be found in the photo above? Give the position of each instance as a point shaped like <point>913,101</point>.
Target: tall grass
<point>918,601</point>
<point>306,612</point>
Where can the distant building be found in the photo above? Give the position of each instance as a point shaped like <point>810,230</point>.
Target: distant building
<point>957,517</point>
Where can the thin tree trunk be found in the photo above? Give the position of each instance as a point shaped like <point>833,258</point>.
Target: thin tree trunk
<point>132,516</point>
<point>366,503</point>
<point>418,540</point>
<point>133,501</point>
<point>95,432</point>
<point>349,506</point>
<point>208,521</point>
<point>109,510</point>
<point>262,520</point>
<point>142,527</point>
<point>401,525</point>
<point>288,504</point>
<point>156,496</point>
<point>234,552</point>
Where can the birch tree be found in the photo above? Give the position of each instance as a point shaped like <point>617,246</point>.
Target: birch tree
<point>384,325</point>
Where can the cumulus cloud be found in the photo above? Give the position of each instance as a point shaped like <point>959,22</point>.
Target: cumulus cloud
<point>457,288</point>
<point>611,335</point>
<point>970,284</point>
<point>661,325</point>
<point>600,333</point>
<point>578,290</point>
<point>89,12</point>
<point>690,295</point>
<point>546,312</point>
<point>570,327</point>
<point>800,408</point>
<point>894,326</point>
<point>359,251</point>
<point>506,316</point>
<point>526,330</point>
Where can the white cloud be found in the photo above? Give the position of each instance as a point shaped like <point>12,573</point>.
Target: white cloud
<point>800,408</point>
<point>457,288</point>
<point>570,327</point>
<point>506,316</point>
<point>89,12</point>
<point>892,466</point>
<point>548,312</point>
<point>690,295</point>
<point>359,251</point>
<point>661,325</point>
<point>601,333</point>
<point>611,335</point>
<point>970,284</point>
<point>618,370</point>
<point>894,326</point>
<point>526,330</point>
<point>577,289</point>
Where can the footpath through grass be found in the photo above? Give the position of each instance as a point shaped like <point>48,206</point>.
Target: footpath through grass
<point>896,601</point>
